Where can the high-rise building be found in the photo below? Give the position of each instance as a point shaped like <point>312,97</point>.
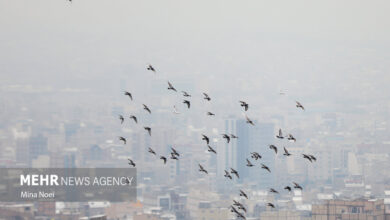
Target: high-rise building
<point>250,139</point>
<point>37,147</point>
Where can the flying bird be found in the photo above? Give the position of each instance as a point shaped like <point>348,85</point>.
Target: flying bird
<point>242,208</point>
<point>233,136</point>
<point>134,118</point>
<point>245,105</point>
<point>174,157</point>
<point>204,137</point>
<point>313,158</point>
<point>272,190</point>
<point>121,118</point>
<point>286,153</point>
<point>291,138</point>
<point>288,188</point>
<point>242,193</point>
<point>271,205</point>
<point>164,159</point>
<point>248,163</point>
<point>170,87</point>
<point>297,186</point>
<point>211,149</point>
<point>307,157</point>
<point>240,215</point>
<point>233,171</point>
<point>122,139</point>
<point>147,109</point>
<point>236,203</point>
<point>226,137</point>
<point>249,121</point>
<point>175,152</point>
<point>273,147</point>
<point>150,150</point>
<point>210,114</point>
<point>149,130</point>
<point>131,163</point>
<point>265,167</point>
<point>299,105</point>
<point>201,169</point>
<point>185,94</point>
<point>187,103</point>
<point>150,67</point>
<point>280,135</point>
<point>129,94</point>
<point>206,97</point>
<point>255,155</point>
<point>233,209</point>
<point>227,175</point>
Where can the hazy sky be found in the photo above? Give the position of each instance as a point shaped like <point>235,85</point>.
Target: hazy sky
<point>55,42</point>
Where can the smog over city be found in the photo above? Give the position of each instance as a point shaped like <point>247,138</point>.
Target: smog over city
<point>271,110</point>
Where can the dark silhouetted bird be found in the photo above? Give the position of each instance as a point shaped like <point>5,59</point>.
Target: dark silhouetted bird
<point>307,157</point>
<point>299,105</point>
<point>226,137</point>
<point>134,118</point>
<point>240,215</point>
<point>129,94</point>
<point>201,169</point>
<point>150,150</point>
<point>131,163</point>
<point>150,67</point>
<point>175,152</point>
<point>313,158</point>
<point>271,205</point>
<point>233,136</point>
<point>255,155</point>
<point>147,109</point>
<point>245,105</point>
<point>272,190</point>
<point>273,147</point>
<point>286,153</point>
<point>174,157</point>
<point>227,175</point>
<point>185,94</point>
<point>297,186</point>
<point>211,149</point>
<point>210,114</point>
<point>288,188</point>
<point>187,103</point>
<point>248,163</point>
<point>233,171</point>
<point>236,203</point>
<point>204,137</point>
<point>149,130</point>
<point>242,193</point>
<point>207,97</point>
<point>265,167</point>
<point>291,138</point>
<point>170,87</point>
<point>249,121</point>
<point>280,135</point>
<point>122,139</point>
<point>121,118</point>
<point>233,209</point>
<point>164,159</point>
<point>241,207</point>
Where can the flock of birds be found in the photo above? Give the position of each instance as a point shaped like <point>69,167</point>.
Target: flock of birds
<point>237,207</point>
